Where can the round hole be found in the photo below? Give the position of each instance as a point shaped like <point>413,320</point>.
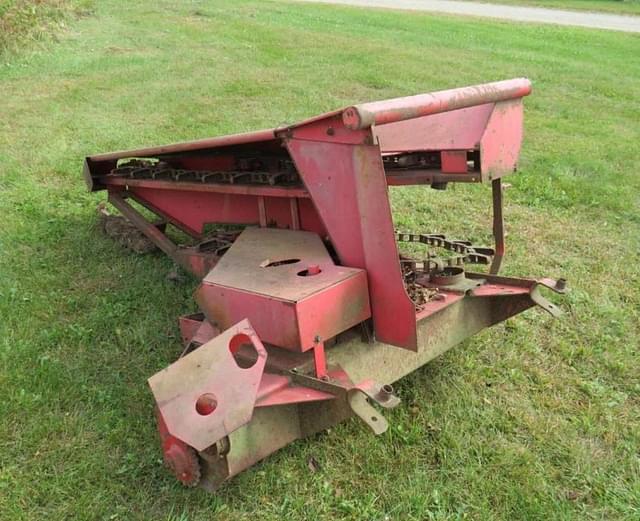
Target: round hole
<point>206,404</point>
<point>374,419</point>
<point>283,262</point>
<point>243,351</point>
<point>310,271</point>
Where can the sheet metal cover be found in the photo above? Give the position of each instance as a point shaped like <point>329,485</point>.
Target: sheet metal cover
<point>269,261</point>
<point>211,374</point>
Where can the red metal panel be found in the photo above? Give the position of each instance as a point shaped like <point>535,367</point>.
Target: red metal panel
<point>195,209</point>
<point>398,109</point>
<point>348,187</point>
<point>455,130</point>
<point>288,324</point>
<point>210,372</point>
<point>267,191</point>
<point>327,128</point>
<point>286,283</point>
<point>274,320</point>
<point>333,310</point>
<point>500,144</point>
<point>454,161</point>
<point>309,218</point>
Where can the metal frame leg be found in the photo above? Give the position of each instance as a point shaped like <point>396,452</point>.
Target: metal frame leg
<point>498,226</point>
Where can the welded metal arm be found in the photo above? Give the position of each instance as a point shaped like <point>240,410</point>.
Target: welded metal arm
<point>365,115</point>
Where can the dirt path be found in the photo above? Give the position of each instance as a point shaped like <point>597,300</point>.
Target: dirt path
<point>506,12</point>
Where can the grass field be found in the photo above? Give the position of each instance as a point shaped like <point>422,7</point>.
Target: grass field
<point>534,419</point>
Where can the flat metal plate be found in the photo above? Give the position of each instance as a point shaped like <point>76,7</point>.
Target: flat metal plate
<point>210,370</point>
<point>246,265</point>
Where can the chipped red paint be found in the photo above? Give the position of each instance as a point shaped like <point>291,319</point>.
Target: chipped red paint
<point>315,274</point>
<point>399,109</point>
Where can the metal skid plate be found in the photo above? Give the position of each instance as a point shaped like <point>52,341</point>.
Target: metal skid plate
<point>206,395</point>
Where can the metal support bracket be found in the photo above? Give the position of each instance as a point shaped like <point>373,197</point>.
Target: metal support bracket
<point>381,394</point>
<point>208,393</point>
<point>545,304</point>
<point>498,226</point>
<point>358,396</point>
<point>366,412</point>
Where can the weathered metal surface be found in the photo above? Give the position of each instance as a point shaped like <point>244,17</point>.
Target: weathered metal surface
<point>323,260</point>
<point>461,318</point>
<point>366,412</point>
<point>180,458</point>
<point>498,226</point>
<point>288,284</point>
<point>206,395</point>
<point>399,109</point>
<point>348,187</point>
<point>501,141</point>
<point>189,146</point>
<point>436,132</point>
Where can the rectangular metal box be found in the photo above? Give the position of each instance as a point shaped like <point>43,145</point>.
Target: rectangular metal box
<point>290,286</point>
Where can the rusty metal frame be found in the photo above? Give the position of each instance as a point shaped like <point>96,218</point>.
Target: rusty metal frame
<point>194,262</point>
<point>337,167</point>
<point>352,360</point>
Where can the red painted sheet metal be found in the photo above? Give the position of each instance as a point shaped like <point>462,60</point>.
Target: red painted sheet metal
<point>502,139</point>
<point>348,188</point>
<point>190,146</point>
<point>289,324</point>
<point>389,111</point>
<point>268,191</point>
<point>210,371</point>
<point>456,130</point>
<point>195,209</point>
<point>265,276</point>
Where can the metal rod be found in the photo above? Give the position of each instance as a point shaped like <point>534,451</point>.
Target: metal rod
<point>175,222</point>
<point>365,115</point>
<point>498,226</point>
<point>320,360</point>
<point>295,214</point>
<point>152,232</point>
<point>262,211</point>
<point>267,191</point>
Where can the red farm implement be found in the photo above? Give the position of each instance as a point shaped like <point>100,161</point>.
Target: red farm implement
<point>308,310</point>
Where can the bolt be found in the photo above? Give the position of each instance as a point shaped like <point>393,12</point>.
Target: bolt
<point>330,131</point>
<point>561,284</point>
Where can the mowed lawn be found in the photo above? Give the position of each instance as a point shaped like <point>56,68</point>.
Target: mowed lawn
<point>534,419</point>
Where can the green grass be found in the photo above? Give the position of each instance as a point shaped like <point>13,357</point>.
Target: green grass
<point>631,7</point>
<point>534,419</point>
<point>26,23</point>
